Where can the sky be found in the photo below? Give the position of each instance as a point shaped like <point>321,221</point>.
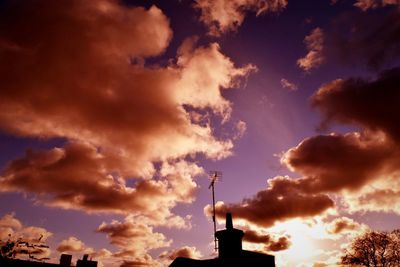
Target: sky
<point>114,113</point>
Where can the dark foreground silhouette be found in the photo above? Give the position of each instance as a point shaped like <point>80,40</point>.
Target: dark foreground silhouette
<point>230,252</point>
<point>65,260</point>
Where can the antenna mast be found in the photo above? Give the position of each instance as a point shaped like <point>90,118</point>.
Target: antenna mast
<point>214,176</point>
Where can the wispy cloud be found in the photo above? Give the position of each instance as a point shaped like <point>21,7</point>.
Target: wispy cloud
<point>221,16</point>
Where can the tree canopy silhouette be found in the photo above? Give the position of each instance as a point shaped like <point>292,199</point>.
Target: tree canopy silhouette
<point>11,248</point>
<point>374,249</point>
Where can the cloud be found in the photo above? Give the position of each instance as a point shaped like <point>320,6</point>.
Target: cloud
<point>221,16</point>
<point>145,104</point>
<point>283,199</point>
<point>319,264</point>
<point>356,39</point>
<point>369,103</point>
<point>288,85</point>
<point>79,176</point>
<point>72,244</point>
<point>364,5</point>
<point>378,196</point>
<point>241,128</point>
<point>271,243</point>
<point>344,225</point>
<point>331,163</point>
<point>315,46</point>
<point>362,167</point>
<point>81,80</point>
<point>134,239</point>
<point>283,243</point>
<point>253,236</point>
<point>335,162</point>
<point>9,221</point>
<point>359,167</point>
<point>185,251</point>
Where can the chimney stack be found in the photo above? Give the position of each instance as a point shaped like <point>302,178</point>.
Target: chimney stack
<point>228,222</point>
<point>229,241</point>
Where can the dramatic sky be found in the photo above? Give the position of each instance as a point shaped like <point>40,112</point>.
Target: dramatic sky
<point>113,113</point>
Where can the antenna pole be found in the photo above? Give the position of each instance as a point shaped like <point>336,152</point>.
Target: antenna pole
<point>214,176</point>
<point>215,224</point>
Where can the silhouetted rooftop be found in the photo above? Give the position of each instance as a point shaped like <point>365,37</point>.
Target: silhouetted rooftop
<point>230,252</point>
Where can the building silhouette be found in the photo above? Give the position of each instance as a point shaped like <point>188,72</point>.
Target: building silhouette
<point>230,252</point>
<point>65,260</point>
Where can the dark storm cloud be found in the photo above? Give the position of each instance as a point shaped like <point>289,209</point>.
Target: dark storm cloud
<point>371,39</point>
<point>372,104</point>
<point>357,39</point>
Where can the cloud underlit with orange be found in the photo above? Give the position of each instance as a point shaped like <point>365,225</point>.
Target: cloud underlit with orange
<point>134,239</point>
<point>80,82</point>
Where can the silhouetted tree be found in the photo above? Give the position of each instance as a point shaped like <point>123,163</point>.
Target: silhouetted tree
<point>12,248</point>
<point>374,249</point>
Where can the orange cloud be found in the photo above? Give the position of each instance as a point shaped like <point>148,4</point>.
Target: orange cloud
<point>84,79</point>
<point>81,177</point>
<point>85,88</point>
<point>315,45</point>
<point>72,244</point>
<point>377,196</point>
<point>9,221</point>
<point>134,239</point>
<point>221,16</point>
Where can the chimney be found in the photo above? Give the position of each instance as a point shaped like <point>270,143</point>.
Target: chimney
<point>228,222</point>
<point>229,241</point>
<point>65,259</point>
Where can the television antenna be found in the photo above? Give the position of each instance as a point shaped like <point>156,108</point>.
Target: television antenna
<point>214,177</point>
